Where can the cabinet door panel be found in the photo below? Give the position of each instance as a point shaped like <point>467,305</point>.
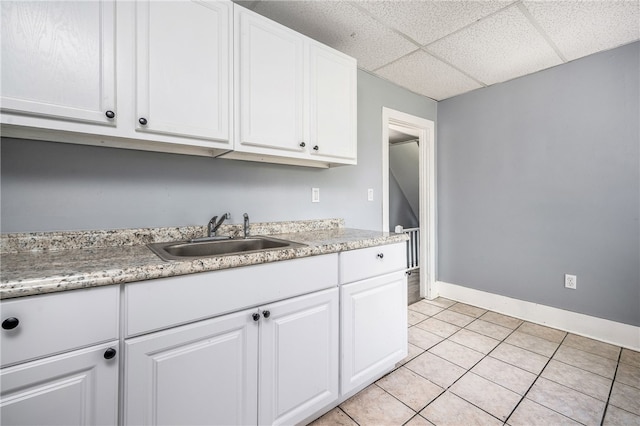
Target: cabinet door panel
<point>332,104</point>
<point>202,373</point>
<point>58,59</point>
<point>299,358</point>
<point>374,328</point>
<point>183,68</point>
<point>270,68</point>
<point>77,388</point>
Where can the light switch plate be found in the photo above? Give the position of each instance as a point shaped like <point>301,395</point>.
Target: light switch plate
<point>370,194</point>
<point>315,195</point>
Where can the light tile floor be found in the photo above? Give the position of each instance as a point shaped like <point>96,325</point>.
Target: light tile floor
<point>469,366</point>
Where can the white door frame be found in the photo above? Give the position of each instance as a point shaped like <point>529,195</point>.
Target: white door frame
<point>427,175</point>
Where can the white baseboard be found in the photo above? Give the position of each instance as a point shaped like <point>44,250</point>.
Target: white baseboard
<point>625,335</point>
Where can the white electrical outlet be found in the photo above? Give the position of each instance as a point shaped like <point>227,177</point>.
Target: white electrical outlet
<point>315,195</point>
<point>570,281</point>
<point>370,194</point>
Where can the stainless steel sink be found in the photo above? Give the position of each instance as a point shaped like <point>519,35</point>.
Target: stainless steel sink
<point>180,250</point>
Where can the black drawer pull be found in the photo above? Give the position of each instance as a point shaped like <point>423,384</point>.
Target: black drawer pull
<point>109,353</point>
<point>10,323</point>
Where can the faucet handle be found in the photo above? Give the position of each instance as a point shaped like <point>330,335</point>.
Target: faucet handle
<point>246,225</point>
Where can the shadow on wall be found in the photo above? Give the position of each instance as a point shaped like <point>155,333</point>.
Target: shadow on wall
<point>404,185</point>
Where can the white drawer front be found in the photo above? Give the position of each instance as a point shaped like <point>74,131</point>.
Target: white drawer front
<point>369,262</point>
<point>167,302</point>
<point>58,322</point>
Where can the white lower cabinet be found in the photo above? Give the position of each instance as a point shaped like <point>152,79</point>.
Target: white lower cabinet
<point>298,358</point>
<point>276,364</point>
<point>75,388</point>
<point>201,373</point>
<point>373,314</point>
<point>59,355</point>
<point>374,328</point>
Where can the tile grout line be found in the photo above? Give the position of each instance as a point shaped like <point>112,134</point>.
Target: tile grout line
<point>467,370</point>
<point>345,413</point>
<point>536,380</point>
<point>416,413</point>
<point>613,381</point>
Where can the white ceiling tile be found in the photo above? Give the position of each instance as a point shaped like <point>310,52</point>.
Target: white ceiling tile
<point>501,47</point>
<point>426,75</point>
<point>341,26</point>
<point>580,28</point>
<point>428,21</point>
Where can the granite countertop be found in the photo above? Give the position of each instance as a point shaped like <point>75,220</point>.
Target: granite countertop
<point>92,264</point>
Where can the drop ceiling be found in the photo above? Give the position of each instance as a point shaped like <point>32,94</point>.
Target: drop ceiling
<point>441,49</point>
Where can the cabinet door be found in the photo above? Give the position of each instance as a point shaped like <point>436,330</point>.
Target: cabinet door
<point>76,388</point>
<point>269,84</point>
<point>374,328</point>
<point>332,104</point>
<point>183,67</point>
<point>58,59</point>
<point>299,357</point>
<point>203,373</point>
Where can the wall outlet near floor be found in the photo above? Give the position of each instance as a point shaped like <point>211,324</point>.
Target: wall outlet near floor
<point>370,194</point>
<point>315,195</point>
<point>570,281</point>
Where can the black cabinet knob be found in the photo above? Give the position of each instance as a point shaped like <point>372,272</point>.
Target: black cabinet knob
<point>10,323</point>
<point>380,255</point>
<point>142,121</point>
<point>255,317</point>
<point>110,114</point>
<point>302,144</point>
<point>315,148</point>
<point>266,314</point>
<point>109,353</point>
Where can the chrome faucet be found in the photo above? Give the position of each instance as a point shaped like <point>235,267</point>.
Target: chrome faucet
<point>245,226</point>
<point>213,226</point>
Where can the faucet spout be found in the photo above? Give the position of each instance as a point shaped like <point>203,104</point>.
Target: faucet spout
<point>214,224</point>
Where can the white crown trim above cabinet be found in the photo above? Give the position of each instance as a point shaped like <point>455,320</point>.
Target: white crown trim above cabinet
<point>159,76</point>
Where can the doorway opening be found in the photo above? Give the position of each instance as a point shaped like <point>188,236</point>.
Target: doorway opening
<point>404,135</point>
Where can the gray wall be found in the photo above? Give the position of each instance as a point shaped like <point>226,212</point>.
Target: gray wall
<point>53,186</point>
<point>400,211</point>
<point>539,177</point>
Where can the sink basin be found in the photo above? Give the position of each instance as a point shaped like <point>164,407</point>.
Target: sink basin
<point>181,250</point>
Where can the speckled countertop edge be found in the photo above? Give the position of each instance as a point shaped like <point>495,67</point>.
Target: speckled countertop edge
<point>49,271</point>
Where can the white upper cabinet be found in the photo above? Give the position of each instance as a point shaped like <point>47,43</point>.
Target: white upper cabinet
<point>58,60</point>
<point>183,67</point>
<point>332,104</point>
<point>270,66</point>
<point>204,77</point>
<point>295,98</point>
<point>69,66</point>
